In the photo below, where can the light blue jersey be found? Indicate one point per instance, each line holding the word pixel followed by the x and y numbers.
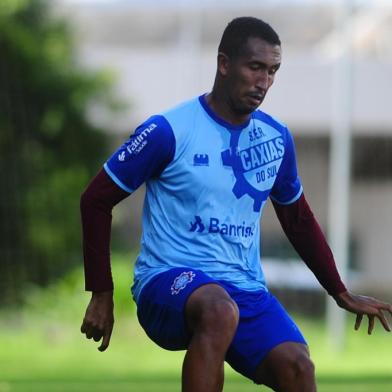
pixel 206 184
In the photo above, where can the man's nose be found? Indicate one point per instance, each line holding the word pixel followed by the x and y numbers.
pixel 262 80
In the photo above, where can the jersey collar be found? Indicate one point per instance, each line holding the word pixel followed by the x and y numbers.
pixel 219 120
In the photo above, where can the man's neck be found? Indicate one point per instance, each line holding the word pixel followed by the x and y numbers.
pixel 221 108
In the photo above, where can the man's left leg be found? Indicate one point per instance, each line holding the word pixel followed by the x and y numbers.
pixel 268 347
pixel 287 368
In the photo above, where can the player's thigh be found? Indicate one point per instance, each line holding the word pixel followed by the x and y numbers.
pixel 162 302
pixel 264 325
pixel 211 307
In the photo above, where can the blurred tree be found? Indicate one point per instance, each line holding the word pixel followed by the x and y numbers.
pixel 48 149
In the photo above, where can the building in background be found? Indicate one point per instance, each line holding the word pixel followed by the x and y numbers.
pixel 165 51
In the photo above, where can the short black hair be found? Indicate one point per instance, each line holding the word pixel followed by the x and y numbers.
pixel 239 30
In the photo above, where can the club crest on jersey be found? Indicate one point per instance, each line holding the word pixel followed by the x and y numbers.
pixel 181 281
pixel 255 157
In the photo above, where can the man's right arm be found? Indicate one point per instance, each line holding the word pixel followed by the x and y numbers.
pixel 96 205
pixel 143 156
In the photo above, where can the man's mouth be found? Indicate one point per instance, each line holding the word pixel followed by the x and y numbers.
pixel 256 98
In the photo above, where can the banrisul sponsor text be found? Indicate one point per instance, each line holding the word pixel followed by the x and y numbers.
pixel 215 226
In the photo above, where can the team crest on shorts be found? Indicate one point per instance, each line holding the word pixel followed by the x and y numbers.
pixel 181 281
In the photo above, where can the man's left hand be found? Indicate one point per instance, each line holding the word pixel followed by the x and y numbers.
pixel 362 305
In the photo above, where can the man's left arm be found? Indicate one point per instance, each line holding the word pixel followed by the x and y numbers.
pixel 306 236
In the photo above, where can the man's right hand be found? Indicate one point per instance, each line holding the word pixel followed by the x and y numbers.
pixel 98 320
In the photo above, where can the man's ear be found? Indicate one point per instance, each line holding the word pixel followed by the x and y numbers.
pixel 223 64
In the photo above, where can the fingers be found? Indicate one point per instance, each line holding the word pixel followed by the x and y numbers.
pixel 387 307
pixel 384 307
pixel 86 329
pixel 97 337
pixel 83 327
pixel 371 307
pixel 380 315
pixel 105 340
pixel 358 321
pixel 97 333
pixel 384 321
pixel 381 308
pixel 371 324
pixel 91 331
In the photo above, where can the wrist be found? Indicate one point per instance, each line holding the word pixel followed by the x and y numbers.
pixel 102 295
pixel 342 297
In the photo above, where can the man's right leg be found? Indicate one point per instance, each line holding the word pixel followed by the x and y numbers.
pixel 212 318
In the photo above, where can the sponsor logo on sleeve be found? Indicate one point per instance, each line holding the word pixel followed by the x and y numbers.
pixel 121 156
pixel 138 141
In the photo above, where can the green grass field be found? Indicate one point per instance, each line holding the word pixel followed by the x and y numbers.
pixel 41 349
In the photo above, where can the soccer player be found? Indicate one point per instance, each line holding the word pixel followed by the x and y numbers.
pixel 209 165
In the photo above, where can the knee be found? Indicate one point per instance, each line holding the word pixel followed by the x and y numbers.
pixel 304 366
pixel 219 315
pixel 212 315
pixel 297 370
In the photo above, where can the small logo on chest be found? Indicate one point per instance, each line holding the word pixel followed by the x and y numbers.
pixel 201 160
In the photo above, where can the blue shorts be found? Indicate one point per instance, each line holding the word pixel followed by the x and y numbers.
pixel 263 322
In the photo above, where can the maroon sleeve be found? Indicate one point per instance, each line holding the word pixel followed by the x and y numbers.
pixel 304 233
pixel 96 204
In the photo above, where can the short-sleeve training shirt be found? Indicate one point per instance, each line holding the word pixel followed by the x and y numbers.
pixel 206 184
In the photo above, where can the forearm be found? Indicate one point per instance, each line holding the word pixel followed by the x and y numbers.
pixel 96 205
pixel 304 233
pixel 96 225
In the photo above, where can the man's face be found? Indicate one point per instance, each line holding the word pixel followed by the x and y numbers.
pixel 248 77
